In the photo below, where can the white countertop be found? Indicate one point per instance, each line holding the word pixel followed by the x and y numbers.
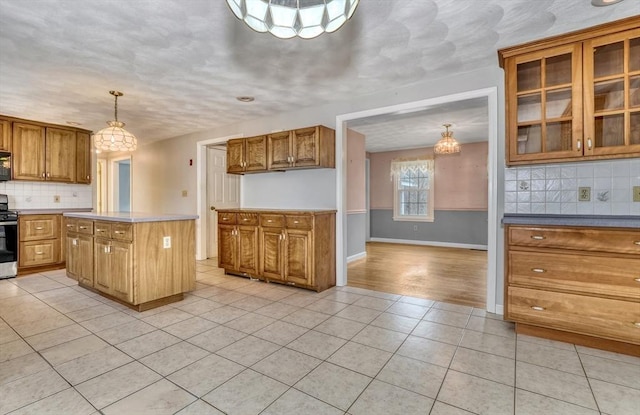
pixel 130 216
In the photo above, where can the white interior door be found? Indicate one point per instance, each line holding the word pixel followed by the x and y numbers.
pixel 223 192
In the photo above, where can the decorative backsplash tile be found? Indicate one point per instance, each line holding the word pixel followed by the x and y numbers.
pixel 34 195
pixel 553 188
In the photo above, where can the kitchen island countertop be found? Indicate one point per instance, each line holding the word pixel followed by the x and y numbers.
pixel 132 217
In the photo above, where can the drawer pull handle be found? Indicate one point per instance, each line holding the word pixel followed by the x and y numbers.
pixel 296 221
pixel 225 218
pixel 245 219
pixel 269 221
pixel 636 323
pixel 537 308
pixel 83 227
pixel 39 252
pixel 636 279
pixel 119 232
pixel 636 242
pixel 69 225
pixel 537 237
pixel 39 228
pixel 539 270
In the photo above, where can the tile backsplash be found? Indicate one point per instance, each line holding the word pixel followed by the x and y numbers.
pixel 35 195
pixel 553 188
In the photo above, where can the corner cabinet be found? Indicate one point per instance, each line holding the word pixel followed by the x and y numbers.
pixel 576 284
pixel 574 97
pixel 288 247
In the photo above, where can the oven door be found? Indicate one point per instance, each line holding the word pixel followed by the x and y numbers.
pixel 8 249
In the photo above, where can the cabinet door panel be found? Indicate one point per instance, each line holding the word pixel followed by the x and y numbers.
pixel 279 150
pixel 83 157
pixel 35 253
pixel 306 147
pixel 256 153
pixel 37 227
pixel 271 253
pixel 235 155
pixel 121 261
pixel 73 256
pixel 5 135
pixel 227 244
pixel 85 260
pixel 298 257
pixel 102 265
pixel 28 152
pixel 60 155
pixel 248 249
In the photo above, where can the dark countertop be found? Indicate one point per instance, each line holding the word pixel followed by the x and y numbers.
pixel 603 221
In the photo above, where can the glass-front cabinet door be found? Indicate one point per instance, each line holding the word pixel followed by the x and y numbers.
pixel 545 104
pixel 612 94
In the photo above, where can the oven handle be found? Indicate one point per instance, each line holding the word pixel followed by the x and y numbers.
pixel 8 223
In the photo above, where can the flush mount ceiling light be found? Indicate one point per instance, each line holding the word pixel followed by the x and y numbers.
pixel 115 137
pixel 447 144
pixel 602 3
pixel 245 98
pixel 289 18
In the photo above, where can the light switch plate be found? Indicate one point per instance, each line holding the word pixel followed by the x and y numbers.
pixel 636 193
pixel 584 194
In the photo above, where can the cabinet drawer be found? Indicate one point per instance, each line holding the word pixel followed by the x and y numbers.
pixel 227 218
pixel 604 240
pixel 122 231
pixel 37 227
pixel 247 219
pixel 85 226
pixel 71 224
pixel 603 317
pixel 580 273
pixel 299 221
pixel 272 221
pixel 102 229
pixel 34 253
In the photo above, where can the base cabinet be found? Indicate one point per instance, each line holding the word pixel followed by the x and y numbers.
pixel 577 282
pixel 40 243
pixel 80 258
pixel 114 268
pixel 289 247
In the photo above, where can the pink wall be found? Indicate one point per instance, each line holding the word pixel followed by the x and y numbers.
pixel 460 180
pixel 355 172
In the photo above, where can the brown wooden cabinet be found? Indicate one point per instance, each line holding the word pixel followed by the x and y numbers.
pixel 5 134
pixel 574 97
pixel 60 155
pixel 114 268
pixel 40 243
pixel 575 284
pixel 296 248
pixel 247 155
pixel 83 158
pixel 28 155
pixel 79 250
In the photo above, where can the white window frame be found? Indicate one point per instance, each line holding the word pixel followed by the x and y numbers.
pixel 396 175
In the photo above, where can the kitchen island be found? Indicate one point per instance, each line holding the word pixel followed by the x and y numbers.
pixel 142 260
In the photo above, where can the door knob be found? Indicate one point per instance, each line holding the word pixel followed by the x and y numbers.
pixel 212 207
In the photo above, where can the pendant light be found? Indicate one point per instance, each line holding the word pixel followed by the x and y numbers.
pixel 447 144
pixel 115 137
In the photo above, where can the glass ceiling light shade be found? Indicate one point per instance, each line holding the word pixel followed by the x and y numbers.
pixel 115 137
pixel 289 18
pixel 447 144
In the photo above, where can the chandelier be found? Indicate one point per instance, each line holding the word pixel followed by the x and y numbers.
pixel 115 137
pixel 288 18
pixel 447 144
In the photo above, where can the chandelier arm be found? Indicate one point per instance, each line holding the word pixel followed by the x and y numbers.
pixel 116 108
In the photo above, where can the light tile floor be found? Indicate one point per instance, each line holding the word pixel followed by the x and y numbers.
pixel 244 347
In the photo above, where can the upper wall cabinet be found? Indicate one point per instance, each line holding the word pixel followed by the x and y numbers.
pixel 574 97
pixel 5 134
pixel 247 155
pixel 44 152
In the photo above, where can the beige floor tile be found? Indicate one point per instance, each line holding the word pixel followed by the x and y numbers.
pixel 492 326
pixel 217 338
pixel 73 349
pixel 114 385
pixel 7 334
pixel 14 349
pixel 546 342
pixel 453 307
pixel 91 312
pixel 424 302
pixel 29 389
pixel 147 343
pixel 306 318
pixel 379 304
pixel 173 358
pixel 489 343
pixel 92 365
pixel 281 333
pixel 326 306
pixel 440 408
pixel 124 332
pixel 286 366
pixel 615 399
pixel 277 310
pixel 160 398
pixel 58 336
pixel 67 402
pixel 414 375
pixel 548 356
pixel 476 395
pixel 258 392
pixel 484 365
pixel 8 289
pixel 360 314
pixel 408 310
pixel 426 350
pixel 106 322
pixel 201 377
pixel 189 328
pixel 226 297
pixel 383 339
pixel 395 322
pixel 334 385
pixel 479 312
pixel 199 307
pixel 340 327
pixel 251 303
pixel 440 332
pixel 360 358
pixel 199 407
pixel 450 318
pixel 22 366
pixel 343 297
pixel 43 325
pixel 555 384
pixel 300 299
pixel 528 403
pixel 317 344
pixel 79 303
pixel 167 318
pixel 294 402
pixel 582 350
pixel 248 350
pixel 612 371
pixel 224 314
pixel 250 323
pixel 382 399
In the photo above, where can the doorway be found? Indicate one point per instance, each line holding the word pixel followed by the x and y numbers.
pixel 114 184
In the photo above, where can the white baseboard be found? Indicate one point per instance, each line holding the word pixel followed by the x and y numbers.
pixel 431 243
pixel 356 257
pixel 500 309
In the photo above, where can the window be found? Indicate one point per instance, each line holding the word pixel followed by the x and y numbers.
pixel 412 190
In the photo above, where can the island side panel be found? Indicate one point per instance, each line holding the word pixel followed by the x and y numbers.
pixel 162 272
pixel 325 251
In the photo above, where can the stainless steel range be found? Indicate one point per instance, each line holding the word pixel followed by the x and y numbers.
pixel 8 240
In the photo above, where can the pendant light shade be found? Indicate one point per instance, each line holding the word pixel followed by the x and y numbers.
pixel 115 137
pixel 447 144
pixel 289 18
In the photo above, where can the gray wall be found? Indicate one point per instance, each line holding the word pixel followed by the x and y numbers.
pixel 452 226
pixel 356 233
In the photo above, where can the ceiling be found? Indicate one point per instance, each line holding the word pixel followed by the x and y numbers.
pixel 181 63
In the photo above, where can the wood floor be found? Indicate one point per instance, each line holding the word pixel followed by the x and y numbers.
pixel 444 274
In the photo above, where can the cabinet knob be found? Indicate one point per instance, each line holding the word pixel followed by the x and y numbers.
pixel 636 323
pixel 537 308
pixel 88 177
pixel 244 219
pixel 296 221
pixel 538 237
pixel 270 220
pixel 119 232
pixel 538 270
pixel 39 228
pixel 225 218
pixel 636 279
pixel 636 242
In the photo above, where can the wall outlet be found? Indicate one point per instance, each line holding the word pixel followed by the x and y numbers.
pixel 415 228
pixel 56 199
pixel 166 242
pixel 584 194
pixel 636 193
pixel 184 193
